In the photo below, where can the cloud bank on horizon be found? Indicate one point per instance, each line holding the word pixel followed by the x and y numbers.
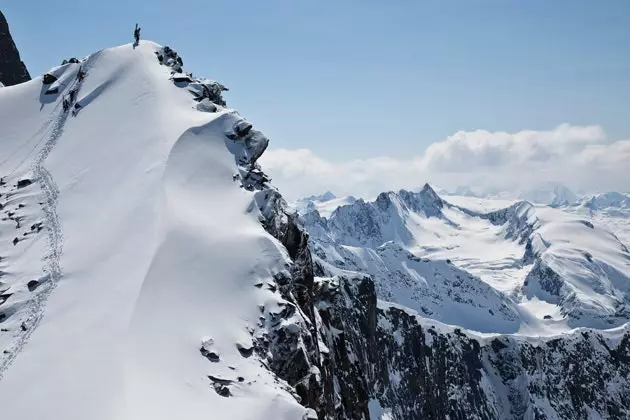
pixel 577 156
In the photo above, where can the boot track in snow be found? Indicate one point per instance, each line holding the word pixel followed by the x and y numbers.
pixel 51 270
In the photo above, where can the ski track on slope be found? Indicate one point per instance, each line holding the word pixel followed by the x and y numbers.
pixel 52 270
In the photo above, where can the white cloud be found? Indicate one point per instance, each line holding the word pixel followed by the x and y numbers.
pixel 575 155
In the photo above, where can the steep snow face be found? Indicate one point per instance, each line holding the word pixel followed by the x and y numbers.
pixel 521 268
pixel 129 259
pixel 391 217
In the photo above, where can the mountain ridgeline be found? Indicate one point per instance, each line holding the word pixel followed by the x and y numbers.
pixel 149 269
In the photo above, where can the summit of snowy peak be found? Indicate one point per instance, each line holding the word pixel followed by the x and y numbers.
pixel 327 196
pixel 466 191
pixel 430 196
pixel 550 193
pixel 609 200
pixel 164 302
pixel 428 189
pixel 390 217
pixel 325 203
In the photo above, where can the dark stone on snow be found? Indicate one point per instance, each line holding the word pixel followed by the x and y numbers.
pixel 24 183
pixel 32 285
pixel 587 224
pixel 242 128
pixel 48 79
pixel 218 380
pixel 245 351
pixel 37 226
pixel 4 297
pixel 72 60
pixel 220 385
pixel 210 355
pixel 222 390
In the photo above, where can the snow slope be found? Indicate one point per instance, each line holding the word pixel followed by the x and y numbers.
pixel 587 270
pixel 146 259
pixel 611 209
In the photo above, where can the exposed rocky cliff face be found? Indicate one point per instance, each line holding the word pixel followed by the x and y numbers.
pixel 362 358
pixel 417 369
pixel 12 69
pixel 373 358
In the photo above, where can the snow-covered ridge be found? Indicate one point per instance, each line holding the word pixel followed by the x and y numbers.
pixel 133 264
pixel 325 203
pixel 550 193
pixel 525 268
pixel 610 200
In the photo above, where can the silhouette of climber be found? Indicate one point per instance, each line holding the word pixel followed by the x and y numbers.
pixel 66 105
pixel 80 75
pixel 136 34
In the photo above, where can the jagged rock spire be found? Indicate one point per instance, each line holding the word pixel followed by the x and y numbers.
pixel 12 69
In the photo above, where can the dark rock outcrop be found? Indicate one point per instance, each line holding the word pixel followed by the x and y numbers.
pixel 12 69
pixel 418 370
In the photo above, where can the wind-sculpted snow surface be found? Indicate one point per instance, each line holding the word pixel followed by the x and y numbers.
pixel 167 281
pixel 391 217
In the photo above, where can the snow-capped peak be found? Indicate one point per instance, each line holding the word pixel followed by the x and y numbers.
pixel 553 194
pixel 327 196
pixel 609 200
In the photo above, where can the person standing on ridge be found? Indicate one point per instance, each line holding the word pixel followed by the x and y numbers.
pixel 136 34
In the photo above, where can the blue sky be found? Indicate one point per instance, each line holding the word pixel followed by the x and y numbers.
pixel 359 79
